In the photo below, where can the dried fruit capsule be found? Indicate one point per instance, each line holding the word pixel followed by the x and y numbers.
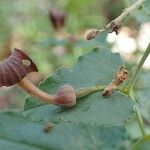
pixel 91 34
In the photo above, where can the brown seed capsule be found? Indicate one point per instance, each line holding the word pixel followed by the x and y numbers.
pixel 115 27
pixel 120 77
pixel 65 96
pixel 91 34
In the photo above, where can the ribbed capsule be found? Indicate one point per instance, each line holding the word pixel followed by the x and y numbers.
pixel 15 68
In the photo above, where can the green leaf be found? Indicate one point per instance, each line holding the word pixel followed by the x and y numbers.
pixel 18 133
pixel 97 67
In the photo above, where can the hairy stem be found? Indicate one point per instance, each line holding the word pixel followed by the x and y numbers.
pixel 129 10
pixel 115 24
pixel 124 14
pixel 137 70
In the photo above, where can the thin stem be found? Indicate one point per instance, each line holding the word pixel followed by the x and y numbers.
pixel 129 10
pixel 140 120
pixel 32 90
pixel 115 24
pixel 137 70
pixel 124 14
pixel 130 89
pixel 88 90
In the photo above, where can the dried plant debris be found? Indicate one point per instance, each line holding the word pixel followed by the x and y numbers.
pixel 48 127
pixel 91 34
pixel 115 27
pixel 120 77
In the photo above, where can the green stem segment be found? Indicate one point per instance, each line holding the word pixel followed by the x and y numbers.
pixel 138 69
pixel 88 90
pixel 140 120
pixel 131 85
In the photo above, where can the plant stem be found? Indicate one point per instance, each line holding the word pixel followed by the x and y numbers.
pixel 130 89
pixel 32 90
pixel 137 70
pixel 119 19
pixel 129 10
pixel 88 90
pixel 140 120
pixel 124 14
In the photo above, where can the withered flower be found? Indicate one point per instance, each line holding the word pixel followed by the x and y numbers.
pixel 57 18
pixel 13 71
pixel 120 77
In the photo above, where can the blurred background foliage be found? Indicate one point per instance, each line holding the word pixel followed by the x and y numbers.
pixel 52 33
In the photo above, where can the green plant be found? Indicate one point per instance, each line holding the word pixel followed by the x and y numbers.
pixel 102 102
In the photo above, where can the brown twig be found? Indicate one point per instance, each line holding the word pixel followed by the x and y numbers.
pixel 116 24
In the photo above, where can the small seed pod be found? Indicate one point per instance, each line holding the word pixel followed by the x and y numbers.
pixel 91 34
pixel 115 27
pixel 65 96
